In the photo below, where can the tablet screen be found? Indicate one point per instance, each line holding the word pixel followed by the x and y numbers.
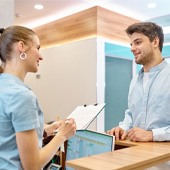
pixel 87 143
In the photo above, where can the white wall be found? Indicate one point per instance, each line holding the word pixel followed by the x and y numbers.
pixel 6 13
pixel 67 78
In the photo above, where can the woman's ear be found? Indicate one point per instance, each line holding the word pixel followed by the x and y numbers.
pixel 21 46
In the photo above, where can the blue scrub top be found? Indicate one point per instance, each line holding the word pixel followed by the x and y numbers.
pixel 19 111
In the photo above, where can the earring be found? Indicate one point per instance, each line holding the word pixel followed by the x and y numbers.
pixel 23 56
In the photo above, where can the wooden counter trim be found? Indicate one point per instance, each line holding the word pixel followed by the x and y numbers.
pixel 138 156
pixel 93 22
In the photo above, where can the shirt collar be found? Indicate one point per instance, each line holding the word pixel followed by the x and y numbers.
pixel 157 67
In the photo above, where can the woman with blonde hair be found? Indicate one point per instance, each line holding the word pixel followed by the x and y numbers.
pixel 21 118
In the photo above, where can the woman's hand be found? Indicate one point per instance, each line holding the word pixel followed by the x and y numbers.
pixel 67 128
pixel 51 128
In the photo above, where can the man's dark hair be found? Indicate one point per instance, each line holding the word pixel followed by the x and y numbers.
pixel 149 29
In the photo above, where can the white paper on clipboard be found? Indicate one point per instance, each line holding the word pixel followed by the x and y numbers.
pixel 84 115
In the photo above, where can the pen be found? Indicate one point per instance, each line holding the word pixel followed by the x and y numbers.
pixel 67 121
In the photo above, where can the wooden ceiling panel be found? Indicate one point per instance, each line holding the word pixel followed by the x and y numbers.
pixel 92 22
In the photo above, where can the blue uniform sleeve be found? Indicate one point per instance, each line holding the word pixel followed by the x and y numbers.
pixel 23 111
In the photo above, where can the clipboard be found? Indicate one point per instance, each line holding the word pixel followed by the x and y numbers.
pixel 84 115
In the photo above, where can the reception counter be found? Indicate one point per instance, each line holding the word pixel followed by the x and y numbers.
pixel 126 156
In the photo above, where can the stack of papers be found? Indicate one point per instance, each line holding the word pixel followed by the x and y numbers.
pixel 84 115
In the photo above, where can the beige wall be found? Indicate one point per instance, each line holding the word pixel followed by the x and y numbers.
pixel 67 78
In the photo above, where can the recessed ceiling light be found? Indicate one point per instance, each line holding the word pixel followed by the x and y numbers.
pixel 151 5
pixel 38 6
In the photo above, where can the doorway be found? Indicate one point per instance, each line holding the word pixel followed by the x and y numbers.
pixel 118 74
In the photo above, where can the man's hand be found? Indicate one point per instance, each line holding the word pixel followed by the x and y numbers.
pixel 118 132
pixel 140 135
